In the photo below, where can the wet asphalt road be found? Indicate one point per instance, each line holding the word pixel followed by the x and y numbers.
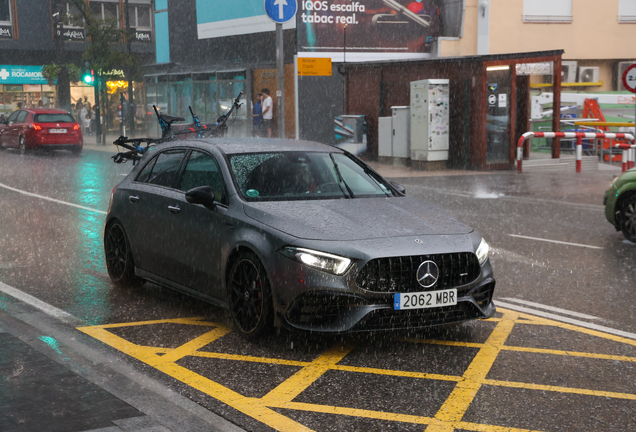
pixel 54 252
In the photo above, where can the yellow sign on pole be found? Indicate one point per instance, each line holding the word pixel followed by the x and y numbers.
pixel 314 66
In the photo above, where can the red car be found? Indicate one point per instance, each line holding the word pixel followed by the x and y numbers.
pixel 38 128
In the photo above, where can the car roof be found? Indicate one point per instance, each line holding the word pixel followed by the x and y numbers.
pixel 237 145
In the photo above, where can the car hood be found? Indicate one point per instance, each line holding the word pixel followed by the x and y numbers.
pixel 355 219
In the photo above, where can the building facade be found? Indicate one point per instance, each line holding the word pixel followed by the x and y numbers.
pixel 595 36
pixel 29 40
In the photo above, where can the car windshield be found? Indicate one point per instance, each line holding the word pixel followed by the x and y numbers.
pixel 54 118
pixel 293 175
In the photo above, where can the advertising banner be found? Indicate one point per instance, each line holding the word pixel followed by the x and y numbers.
pixel 10 74
pixel 220 18
pixel 375 29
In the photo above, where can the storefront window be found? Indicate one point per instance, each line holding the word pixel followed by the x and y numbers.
pixel 27 95
pixel 208 96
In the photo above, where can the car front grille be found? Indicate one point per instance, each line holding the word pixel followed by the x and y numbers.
pixel 398 274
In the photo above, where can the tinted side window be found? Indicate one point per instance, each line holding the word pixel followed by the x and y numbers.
pixel 13 116
pixel 202 170
pixel 21 116
pixel 166 168
pixel 145 173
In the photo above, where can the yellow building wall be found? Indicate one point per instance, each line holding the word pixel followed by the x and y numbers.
pixel 594 32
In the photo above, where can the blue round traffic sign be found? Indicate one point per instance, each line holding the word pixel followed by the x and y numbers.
pixel 280 11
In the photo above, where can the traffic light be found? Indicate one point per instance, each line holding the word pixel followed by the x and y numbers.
pixel 88 76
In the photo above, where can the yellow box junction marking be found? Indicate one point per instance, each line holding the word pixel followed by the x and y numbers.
pixel 448 418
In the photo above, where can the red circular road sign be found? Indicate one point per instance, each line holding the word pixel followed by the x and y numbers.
pixel 629 78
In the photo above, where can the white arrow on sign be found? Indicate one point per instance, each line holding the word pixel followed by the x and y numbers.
pixel 280 4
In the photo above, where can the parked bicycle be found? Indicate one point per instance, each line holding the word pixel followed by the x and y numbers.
pixel 135 146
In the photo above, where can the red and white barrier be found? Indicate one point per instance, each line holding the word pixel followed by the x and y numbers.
pixel 579 146
pixel 629 155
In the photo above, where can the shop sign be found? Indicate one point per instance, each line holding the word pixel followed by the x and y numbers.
pixel 534 69
pixel 75 34
pixel 10 74
pixel 314 66
pixel 114 74
pixel 143 36
pixel 5 32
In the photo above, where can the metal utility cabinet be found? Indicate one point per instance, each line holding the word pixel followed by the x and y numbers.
pixel 429 120
pixel 394 133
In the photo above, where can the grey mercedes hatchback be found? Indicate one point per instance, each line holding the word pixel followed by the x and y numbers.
pixel 294 234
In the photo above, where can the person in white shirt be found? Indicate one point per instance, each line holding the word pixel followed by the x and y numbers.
pixel 268 112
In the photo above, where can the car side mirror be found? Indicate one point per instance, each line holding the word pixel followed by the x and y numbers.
pixel 203 195
pixel 399 188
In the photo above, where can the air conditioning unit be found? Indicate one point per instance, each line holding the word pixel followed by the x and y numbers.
pixel 619 74
pixel 589 74
pixel 568 71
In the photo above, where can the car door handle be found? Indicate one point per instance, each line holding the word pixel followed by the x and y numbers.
pixel 174 209
pixel 133 199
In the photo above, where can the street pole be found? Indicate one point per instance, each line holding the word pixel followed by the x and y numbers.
pixel 96 107
pixel 344 70
pixel 280 80
pixel 126 110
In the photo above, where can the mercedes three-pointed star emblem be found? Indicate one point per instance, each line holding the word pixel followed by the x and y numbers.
pixel 427 274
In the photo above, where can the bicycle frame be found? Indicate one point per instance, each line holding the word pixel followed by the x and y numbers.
pixel 135 152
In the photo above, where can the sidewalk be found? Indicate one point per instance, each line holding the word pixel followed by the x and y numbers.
pixel 54 378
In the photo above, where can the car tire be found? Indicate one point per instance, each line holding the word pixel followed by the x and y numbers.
pixel 119 260
pixel 76 150
pixel 22 146
pixel 628 217
pixel 250 296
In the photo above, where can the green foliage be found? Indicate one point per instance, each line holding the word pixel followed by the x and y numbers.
pixel 107 49
pixel 52 71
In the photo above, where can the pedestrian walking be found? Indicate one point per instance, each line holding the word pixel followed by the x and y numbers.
pixel 257 116
pixel 268 112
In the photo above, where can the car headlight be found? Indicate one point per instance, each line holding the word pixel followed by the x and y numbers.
pixel 482 252
pixel 320 260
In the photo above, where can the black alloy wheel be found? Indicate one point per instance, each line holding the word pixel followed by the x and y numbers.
pixel 250 296
pixel 119 260
pixel 628 218
pixel 22 146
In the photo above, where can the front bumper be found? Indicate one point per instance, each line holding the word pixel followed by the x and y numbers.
pixel 609 201
pixel 310 300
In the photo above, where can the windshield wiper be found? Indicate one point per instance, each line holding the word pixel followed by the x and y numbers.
pixel 340 176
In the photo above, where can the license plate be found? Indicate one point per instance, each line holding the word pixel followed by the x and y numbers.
pixel 57 130
pixel 426 299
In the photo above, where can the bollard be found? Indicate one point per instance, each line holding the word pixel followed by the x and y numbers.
pixel 632 161
pixel 625 160
pixel 519 159
pixel 579 152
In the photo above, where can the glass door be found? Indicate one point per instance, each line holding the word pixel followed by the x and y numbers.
pixel 498 114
